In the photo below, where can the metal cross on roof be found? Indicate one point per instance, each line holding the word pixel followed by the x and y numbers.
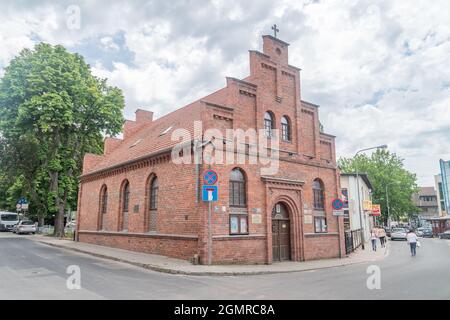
pixel 275 30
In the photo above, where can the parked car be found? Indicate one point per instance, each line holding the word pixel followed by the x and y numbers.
pixel 444 235
pixel 8 220
pixel 427 233
pixel 419 233
pixel 398 233
pixel 25 226
pixel 388 231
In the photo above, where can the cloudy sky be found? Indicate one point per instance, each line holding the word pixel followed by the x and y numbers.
pixel 380 70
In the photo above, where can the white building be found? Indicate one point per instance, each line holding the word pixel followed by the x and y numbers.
pixel 357 202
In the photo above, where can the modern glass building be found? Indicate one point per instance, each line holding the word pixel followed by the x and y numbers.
pixel 445 176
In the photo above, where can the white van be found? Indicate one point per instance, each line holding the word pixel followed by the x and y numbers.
pixel 8 220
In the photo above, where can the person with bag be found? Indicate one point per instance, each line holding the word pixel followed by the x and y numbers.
pixel 411 238
pixel 373 238
pixel 382 236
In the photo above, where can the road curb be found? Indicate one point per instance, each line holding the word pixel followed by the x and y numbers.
pixel 194 273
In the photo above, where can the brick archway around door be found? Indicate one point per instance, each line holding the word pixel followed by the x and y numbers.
pixel 290 194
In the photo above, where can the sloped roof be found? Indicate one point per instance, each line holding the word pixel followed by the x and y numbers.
pixel 363 176
pixel 427 191
pixel 149 139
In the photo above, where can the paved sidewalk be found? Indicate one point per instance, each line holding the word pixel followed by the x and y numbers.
pixel 177 266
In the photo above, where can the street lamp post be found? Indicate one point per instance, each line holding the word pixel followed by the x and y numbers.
pixel 384 146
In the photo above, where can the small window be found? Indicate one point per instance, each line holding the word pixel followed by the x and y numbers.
pixel 237 189
pixel 320 224
pixel 136 143
pixel 165 131
pixel 318 195
pixel 238 224
pixel 285 129
pixel 345 197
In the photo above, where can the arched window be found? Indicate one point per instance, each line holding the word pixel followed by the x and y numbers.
pixel 125 205
pixel 285 129
pixel 104 200
pixel 126 197
pixel 237 188
pixel 103 207
pixel 269 123
pixel 151 219
pixel 154 194
pixel 318 193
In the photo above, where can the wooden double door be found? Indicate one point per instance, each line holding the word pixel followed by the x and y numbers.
pixel 281 235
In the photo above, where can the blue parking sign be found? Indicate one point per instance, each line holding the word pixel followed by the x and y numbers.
pixel 209 193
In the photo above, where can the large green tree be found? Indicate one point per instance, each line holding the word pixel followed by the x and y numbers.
pixel 386 170
pixel 52 111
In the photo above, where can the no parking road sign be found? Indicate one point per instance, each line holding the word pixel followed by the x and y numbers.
pixel 210 177
pixel 337 204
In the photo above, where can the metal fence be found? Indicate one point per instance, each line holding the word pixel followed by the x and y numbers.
pixel 48 229
pixel 352 240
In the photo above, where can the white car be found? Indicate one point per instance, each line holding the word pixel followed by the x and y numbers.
pixel 25 226
pixel 398 233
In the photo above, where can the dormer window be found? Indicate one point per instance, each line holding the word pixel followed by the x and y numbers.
pixel 165 131
pixel 137 142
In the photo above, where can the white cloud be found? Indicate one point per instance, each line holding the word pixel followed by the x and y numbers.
pixel 379 69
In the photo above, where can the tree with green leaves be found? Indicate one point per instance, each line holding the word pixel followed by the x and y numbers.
pixel 52 111
pixel 386 170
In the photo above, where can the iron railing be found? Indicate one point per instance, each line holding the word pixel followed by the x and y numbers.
pixel 352 240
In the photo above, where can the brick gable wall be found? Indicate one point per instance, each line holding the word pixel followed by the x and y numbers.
pixel 182 220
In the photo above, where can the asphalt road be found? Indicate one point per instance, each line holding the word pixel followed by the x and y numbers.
pixel 30 270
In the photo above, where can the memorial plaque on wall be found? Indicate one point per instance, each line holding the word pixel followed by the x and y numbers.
pixel 308 219
pixel 256 218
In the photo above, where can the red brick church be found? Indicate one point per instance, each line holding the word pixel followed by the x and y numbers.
pixel 136 197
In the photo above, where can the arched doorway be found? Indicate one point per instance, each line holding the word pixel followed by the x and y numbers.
pixel 281 235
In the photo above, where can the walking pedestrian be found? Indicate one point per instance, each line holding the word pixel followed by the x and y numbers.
pixel 382 236
pixel 411 238
pixel 373 238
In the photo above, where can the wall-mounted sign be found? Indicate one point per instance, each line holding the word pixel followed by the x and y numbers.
pixel 308 219
pixel 376 210
pixel 256 218
pixel 367 205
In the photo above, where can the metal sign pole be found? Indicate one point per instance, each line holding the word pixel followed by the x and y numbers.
pixel 209 233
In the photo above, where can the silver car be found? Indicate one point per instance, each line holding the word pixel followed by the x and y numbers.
pixel 398 233
pixel 25 226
